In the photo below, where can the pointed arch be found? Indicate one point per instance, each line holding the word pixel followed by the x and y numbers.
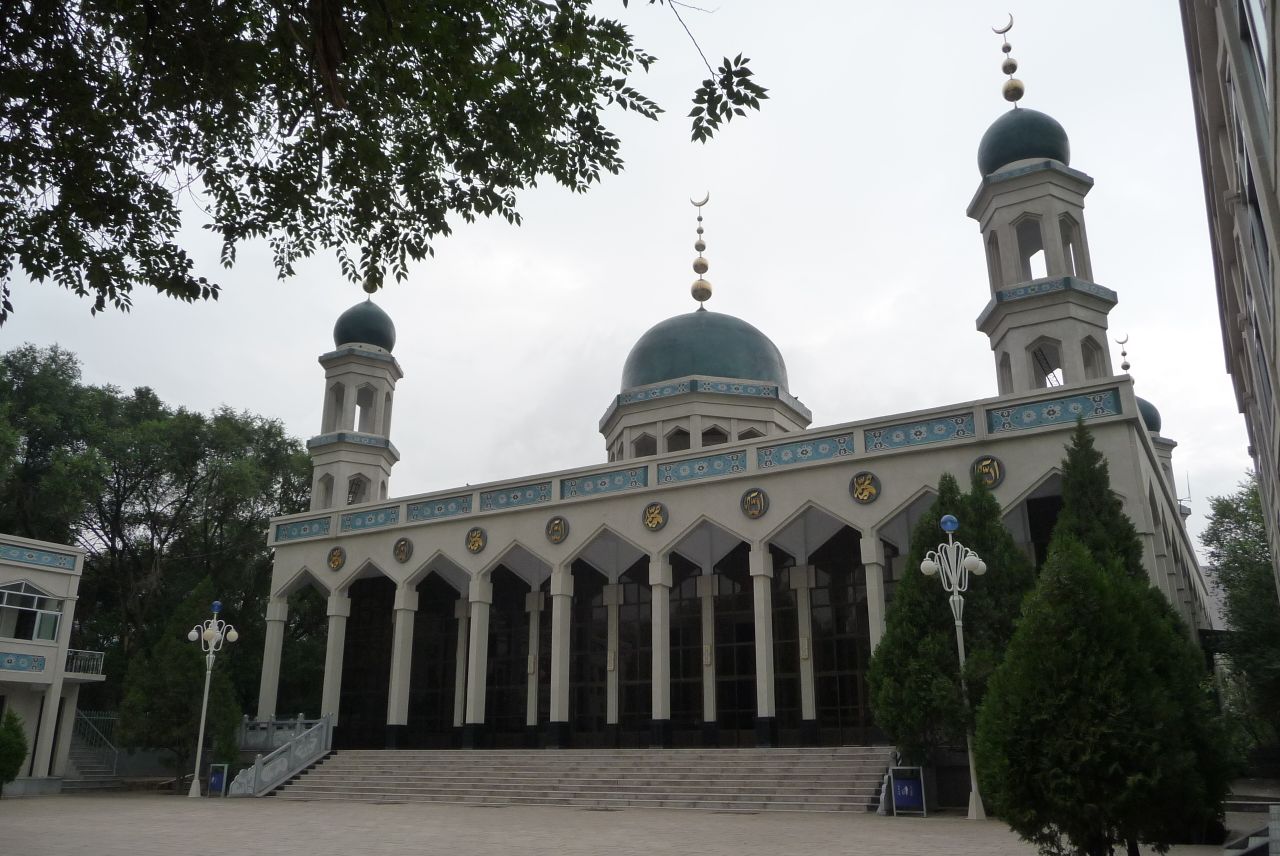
pixel 300 579
pixel 603 529
pixel 364 570
pixel 518 558
pixel 445 567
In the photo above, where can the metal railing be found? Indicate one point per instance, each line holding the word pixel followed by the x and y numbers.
pixel 270 771
pixel 90 733
pixel 84 662
pixel 270 734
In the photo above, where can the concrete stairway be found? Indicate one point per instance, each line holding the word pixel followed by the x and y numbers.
pixel 846 778
pixel 88 771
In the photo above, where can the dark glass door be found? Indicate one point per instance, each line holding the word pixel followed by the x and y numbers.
pixel 366 666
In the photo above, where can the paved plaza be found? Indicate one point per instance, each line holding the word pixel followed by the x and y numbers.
pixel 151 825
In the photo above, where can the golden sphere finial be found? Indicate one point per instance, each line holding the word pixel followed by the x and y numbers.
pixel 1013 90
pixel 701 290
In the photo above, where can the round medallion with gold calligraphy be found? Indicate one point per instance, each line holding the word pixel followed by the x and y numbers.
pixel 402 550
pixel 337 558
pixel 989 469
pixel 754 502
pixel 864 487
pixel 654 516
pixel 557 529
pixel 476 539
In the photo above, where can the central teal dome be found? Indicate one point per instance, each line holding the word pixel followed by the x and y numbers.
pixel 703 343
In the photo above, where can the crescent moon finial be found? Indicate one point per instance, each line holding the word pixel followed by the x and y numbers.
pixel 704 201
pixel 1000 31
pixel 1124 341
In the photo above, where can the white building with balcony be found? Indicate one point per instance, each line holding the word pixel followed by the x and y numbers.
pixel 40 675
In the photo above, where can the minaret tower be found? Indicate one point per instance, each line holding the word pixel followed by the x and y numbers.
pixel 352 456
pixel 1047 318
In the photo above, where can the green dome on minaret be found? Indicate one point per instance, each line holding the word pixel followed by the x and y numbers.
pixel 365 324
pixel 703 343
pixel 1022 134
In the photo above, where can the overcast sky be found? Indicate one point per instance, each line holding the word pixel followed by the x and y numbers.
pixel 836 225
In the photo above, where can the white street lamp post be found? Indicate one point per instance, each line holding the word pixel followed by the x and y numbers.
pixel 210 633
pixel 954 562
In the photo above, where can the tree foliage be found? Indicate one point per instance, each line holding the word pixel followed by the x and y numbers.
pixel 353 126
pixel 160 499
pixel 13 748
pixel 914 677
pixel 1099 727
pixel 1240 561
pixel 1087 738
pixel 1091 511
pixel 164 688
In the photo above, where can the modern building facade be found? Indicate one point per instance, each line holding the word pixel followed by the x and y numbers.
pixel 723 577
pixel 40 676
pixel 1231 54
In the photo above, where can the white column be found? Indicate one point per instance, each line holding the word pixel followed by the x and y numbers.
pixel 406 608
pixel 708 588
pixel 331 692
pixel 71 696
pixel 762 580
pixel 561 601
pixel 43 749
pixel 462 612
pixel 873 562
pixel 481 596
pixel 272 650
pixel 533 603
pixel 612 600
pixel 660 584
pixel 802 580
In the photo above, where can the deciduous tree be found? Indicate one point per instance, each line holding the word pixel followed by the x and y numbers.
pixel 353 126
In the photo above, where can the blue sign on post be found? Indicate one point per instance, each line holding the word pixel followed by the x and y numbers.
pixel 217 780
pixel 907 785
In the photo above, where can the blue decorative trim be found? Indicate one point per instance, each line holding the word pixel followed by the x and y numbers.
pixel 803 451
pixel 434 509
pixel 514 497
pixel 648 393
pixel 1047 286
pixel 372 519
pixel 39 558
pixel 919 433
pixel 349 437
pixel 15 662
pixel 347 351
pixel 598 483
pixel 302 529
pixel 718 386
pixel 1033 414
pixel 701 468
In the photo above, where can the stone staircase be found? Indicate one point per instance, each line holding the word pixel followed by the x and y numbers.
pixel 89 771
pixel 845 778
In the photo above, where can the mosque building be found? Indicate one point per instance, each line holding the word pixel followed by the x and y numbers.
pixel 723 577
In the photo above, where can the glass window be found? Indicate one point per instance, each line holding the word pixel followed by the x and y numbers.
pixel 26 612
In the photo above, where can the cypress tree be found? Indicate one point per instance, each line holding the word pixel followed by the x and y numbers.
pixel 1098 728
pixel 1091 511
pixel 914 676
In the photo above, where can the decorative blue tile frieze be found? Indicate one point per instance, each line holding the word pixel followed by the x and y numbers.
pixel 732 387
pixel 648 393
pixel 1047 286
pixel 802 451
pixel 919 433
pixel 296 529
pixel 372 519
pixel 1033 414
pixel 609 482
pixel 701 468
pixel 15 662
pixel 349 437
pixel 514 497
pixel 39 558
pixel 434 509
